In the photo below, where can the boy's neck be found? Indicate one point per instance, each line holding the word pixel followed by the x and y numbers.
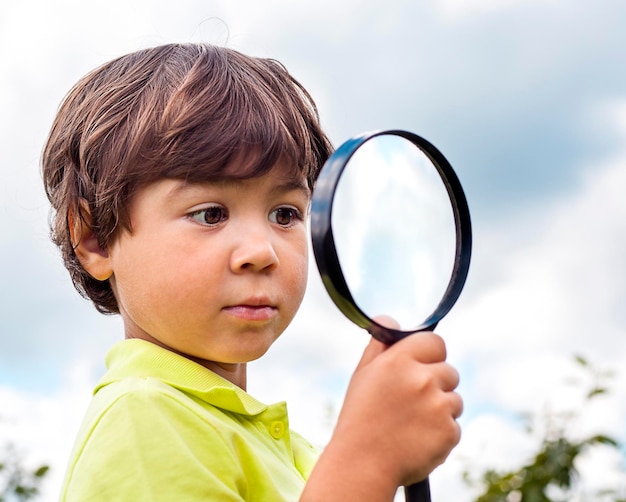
pixel 234 373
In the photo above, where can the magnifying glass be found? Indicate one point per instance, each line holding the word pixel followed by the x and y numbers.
pixel 391 236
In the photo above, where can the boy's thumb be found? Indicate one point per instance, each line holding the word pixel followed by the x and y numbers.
pixel 375 347
pixel 371 352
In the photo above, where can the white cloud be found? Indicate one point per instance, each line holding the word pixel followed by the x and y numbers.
pixel 558 277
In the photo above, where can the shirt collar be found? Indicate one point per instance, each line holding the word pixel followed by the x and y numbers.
pixel 143 359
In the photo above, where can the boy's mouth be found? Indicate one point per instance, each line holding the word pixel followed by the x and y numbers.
pixel 252 311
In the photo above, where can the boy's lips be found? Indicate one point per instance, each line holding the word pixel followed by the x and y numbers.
pixel 252 310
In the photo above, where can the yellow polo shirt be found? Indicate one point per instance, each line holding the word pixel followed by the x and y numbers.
pixel 163 428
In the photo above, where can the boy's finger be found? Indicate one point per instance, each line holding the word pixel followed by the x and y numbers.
pixel 447 376
pixel 456 404
pixel 429 347
pixel 425 347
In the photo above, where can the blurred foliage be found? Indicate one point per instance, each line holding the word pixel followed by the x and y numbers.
pixel 551 475
pixel 18 483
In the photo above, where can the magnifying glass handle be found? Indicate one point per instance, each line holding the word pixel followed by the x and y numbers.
pixel 419 492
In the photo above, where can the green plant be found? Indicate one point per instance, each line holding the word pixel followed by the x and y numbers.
pixel 551 474
pixel 18 483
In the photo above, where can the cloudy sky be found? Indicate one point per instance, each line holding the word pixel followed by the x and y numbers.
pixel 526 98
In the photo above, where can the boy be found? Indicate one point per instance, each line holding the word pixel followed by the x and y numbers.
pixel 180 178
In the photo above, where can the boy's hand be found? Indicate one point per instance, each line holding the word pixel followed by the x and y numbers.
pixel 406 391
pixel 398 421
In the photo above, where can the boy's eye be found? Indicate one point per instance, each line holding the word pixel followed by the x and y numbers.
pixel 285 216
pixel 210 215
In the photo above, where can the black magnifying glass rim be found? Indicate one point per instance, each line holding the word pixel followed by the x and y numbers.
pixel 324 243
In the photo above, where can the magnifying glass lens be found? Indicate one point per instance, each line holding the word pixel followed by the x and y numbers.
pixel 394 231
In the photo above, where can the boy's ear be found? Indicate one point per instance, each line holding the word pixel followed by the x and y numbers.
pixel 94 259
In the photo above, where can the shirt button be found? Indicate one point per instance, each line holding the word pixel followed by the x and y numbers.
pixel 277 429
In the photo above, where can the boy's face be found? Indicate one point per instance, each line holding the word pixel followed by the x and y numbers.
pixel 214 271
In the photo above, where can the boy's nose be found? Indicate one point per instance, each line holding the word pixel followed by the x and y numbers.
pixel 254 252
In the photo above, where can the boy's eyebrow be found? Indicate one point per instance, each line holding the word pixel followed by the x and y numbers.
pixel 293 185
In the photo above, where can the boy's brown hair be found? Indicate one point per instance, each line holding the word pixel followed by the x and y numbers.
pixel 189 111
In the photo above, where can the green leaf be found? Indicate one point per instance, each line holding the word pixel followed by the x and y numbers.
pixel 581 360
pixel 602 439
pixel 596 392
pixel 42 471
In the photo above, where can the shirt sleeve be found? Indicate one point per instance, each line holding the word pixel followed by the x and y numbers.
pixel 147 444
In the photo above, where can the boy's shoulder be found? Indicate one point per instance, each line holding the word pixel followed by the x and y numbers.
pixel 152 411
